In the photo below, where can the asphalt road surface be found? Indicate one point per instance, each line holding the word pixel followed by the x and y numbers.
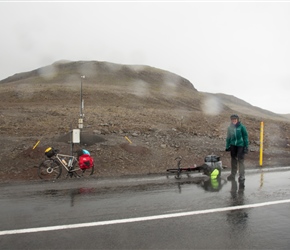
pixel 153 212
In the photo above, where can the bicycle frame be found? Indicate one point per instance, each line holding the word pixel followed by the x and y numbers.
pixel 68 162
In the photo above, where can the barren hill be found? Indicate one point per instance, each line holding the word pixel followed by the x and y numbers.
pixel 161 113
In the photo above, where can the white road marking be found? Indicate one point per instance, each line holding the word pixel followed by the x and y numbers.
pixel 147 218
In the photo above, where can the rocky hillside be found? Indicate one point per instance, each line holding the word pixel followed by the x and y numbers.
pixel 161 114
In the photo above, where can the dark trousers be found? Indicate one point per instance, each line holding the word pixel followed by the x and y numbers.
pixel 237 160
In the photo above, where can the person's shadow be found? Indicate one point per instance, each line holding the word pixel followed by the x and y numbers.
pixel 237 218
pixel 237 192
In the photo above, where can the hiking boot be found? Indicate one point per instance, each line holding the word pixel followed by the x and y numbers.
pixel 231 177
pixel 241 186
pixel 241 178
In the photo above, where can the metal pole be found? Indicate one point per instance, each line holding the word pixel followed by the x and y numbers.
pixel 82 105
pixel 71 140
pixel 261 143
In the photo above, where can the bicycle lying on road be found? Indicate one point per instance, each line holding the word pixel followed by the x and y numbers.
pixel 211 162
pixel 51 168
pixel 179 170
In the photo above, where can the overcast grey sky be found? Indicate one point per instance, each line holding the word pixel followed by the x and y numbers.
pixel 240 48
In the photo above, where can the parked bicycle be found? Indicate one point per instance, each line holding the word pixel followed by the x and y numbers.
pixel 51 168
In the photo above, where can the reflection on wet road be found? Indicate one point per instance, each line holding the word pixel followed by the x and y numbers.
pixel 149 213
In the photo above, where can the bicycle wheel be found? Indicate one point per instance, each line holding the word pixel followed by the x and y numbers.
pixel 78 172
pixel 173 170
pixel 49 169
pixel 87 172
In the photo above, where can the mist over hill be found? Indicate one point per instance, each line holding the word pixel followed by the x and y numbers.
pixel 136 79
pixel 100 72
pixel 242 107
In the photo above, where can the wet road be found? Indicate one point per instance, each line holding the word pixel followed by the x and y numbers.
pixel 148 213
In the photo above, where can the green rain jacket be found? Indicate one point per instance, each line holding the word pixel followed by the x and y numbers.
pixel 237 135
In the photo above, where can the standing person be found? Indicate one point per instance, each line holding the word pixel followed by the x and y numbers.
pixel 237 143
